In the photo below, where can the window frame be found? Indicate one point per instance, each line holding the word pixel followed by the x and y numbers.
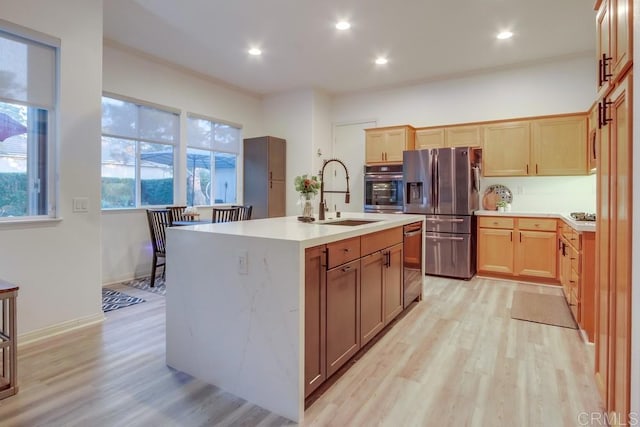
pixel 14 31
pixel 176 144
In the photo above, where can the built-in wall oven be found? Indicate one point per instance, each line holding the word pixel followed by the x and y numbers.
pixel 383 189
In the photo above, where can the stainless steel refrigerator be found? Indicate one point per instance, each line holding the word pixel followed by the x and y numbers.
pixel 443 184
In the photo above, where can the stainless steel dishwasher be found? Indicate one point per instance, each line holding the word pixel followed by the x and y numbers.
pixel 412 262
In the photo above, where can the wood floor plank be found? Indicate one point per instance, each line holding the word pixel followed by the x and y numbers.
pixel 456 358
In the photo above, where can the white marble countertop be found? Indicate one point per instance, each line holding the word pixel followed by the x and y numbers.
pixel 308 234
pixel 586 226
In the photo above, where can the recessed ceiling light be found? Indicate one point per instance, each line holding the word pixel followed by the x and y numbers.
pixel 381 60
pixel 343 25
pixel 255 51
pixel 504 35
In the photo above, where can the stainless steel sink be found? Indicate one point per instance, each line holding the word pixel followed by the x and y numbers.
pixel 349 222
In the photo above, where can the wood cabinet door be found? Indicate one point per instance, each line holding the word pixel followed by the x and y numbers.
pixel 620 257
pixel 621 36
pixel 559 146
pixel 343 314
pixel 371 296
pixel 374 147
pixel 393 283
pixel 314 318
pixel 506 149
pixel 429 138
pixel 395 144
pixel 495 250
pixel 536 254
pixel 603 218
pixel 463 136
pixel 277 205
pixel 603 46
pixel 277 159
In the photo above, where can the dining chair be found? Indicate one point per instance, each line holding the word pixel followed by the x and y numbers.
pixel 178 214
pixel 159 220
pixel 244 212
pixel 225 214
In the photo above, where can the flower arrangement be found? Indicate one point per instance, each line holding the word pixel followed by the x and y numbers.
pixel 307 185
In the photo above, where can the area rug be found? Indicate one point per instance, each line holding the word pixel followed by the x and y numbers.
pixel 145 285
pixel 113 300
pixel 541 308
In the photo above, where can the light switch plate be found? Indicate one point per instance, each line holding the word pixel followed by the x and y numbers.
pixel 80 204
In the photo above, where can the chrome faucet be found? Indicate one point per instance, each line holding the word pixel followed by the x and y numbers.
pixel 347 195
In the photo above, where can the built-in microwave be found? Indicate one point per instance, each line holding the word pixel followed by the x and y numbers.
pixel 383 189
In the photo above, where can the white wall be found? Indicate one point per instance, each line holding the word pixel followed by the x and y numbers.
pixel 564 86
pixel 549 88
pixel 290 116
pixel 57 265
pixel 126 249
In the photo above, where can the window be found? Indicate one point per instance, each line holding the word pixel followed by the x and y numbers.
pixel 212 156
pixel 28 76
pixel 138 154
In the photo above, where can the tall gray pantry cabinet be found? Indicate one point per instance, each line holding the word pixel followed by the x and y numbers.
pixel 265 176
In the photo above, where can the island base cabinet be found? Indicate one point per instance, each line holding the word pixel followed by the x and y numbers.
pixel 315 318
pixel 372 309
pixel 393 297
pixel 343 314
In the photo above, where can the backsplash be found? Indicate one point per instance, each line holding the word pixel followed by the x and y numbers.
pixel 561 194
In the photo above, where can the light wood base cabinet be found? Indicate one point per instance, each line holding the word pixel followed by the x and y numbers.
pixel 517 247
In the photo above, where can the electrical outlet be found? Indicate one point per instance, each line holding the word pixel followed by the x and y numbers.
pixel 243 262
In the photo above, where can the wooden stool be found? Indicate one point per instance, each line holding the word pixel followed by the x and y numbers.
pixel 9 377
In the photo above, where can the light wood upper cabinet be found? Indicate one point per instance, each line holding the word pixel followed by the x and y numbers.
pixel 385 145
pixel 506 149
pixel 429 138
pixel 558 146
pixel 463 136
pixel 614 29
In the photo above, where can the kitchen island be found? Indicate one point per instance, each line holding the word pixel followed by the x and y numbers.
pixel 235 303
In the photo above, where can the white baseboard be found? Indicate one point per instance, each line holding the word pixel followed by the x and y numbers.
pixel 61 328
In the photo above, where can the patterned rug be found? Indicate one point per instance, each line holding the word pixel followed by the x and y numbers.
pixel 144 284
pixel 113 300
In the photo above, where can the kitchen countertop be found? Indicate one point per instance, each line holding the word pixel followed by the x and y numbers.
pixel 585 226
pixel 307 234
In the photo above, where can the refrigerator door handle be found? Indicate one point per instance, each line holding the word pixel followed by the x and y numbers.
pixel 445 238
pixel 436 181
pixel 445 220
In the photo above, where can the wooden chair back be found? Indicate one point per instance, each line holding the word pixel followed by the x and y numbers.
pixel 225 214
pixel 177 213
pixel 244 212
pixel 159 220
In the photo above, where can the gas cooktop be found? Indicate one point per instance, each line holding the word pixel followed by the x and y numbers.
pixel 581 216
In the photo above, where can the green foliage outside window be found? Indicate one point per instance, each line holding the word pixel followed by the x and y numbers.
pixel 13 194
pixel 119 192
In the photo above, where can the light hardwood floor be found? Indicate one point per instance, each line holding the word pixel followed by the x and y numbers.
pixel 455 359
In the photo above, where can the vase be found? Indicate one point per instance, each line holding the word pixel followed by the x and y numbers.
pixel 306 200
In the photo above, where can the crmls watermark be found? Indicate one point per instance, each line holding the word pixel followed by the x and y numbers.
pixel 593 419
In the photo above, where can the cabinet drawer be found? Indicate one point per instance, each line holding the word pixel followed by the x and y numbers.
pixel 382 239
pixel 343 251
pixel 574 256
pixel 537 224
pixel 565 230
pixel 495 222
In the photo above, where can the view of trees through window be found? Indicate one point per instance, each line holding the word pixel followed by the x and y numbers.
pixel 23 166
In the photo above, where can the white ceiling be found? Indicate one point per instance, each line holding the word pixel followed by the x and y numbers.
pixel 423 39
